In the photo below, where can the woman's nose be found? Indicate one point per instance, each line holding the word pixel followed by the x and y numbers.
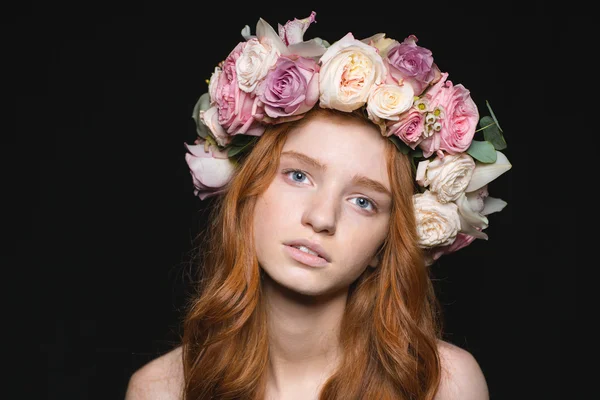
pixel 321 212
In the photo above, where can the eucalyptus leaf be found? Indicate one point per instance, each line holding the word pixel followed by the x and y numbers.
pixel 482 151
pixel 234 151
pixel 241 139
pixel 416 156
pixel 493 115
pixel 491 133
pixel 201 105
pixel 418 153
pixel 240 143
pixel 400 145
pixel 413 166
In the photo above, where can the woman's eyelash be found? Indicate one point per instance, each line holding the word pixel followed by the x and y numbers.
pixel 373 204
pixel 287 171
pixel 369 200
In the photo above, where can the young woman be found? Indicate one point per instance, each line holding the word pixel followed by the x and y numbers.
pixel 314 274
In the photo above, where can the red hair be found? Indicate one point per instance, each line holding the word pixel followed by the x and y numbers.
pixel 390 326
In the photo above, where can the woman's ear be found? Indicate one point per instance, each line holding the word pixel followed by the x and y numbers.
pixel 374 261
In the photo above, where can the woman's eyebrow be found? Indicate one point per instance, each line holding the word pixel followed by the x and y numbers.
pixel 358 180
pixel 305 159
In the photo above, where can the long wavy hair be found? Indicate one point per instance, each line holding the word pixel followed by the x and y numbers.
pixel 391 323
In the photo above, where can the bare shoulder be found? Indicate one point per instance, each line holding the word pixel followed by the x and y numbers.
pixel 161 378
pixel 462 377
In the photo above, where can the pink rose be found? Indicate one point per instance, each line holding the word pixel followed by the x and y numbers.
pixel 239 111
pixel 461 121
pixel 409 128
pixel 411 63
pixel 451 120
pixel 462 240
pixel 459 115
pixel 291 88
pixel 431 145
pixel 210 168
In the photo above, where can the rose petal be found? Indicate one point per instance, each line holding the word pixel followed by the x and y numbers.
pixel 210 118
pixel 211 172
pixel 421 176
pixel 373 38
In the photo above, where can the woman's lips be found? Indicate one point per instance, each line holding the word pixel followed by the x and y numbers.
pixel 305 258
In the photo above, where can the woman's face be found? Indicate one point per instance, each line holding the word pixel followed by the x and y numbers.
pixel 342 206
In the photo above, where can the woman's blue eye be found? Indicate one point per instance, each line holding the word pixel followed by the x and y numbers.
pixel 362 202
pixel 297 174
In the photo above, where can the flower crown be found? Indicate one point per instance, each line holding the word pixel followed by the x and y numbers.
pixel 270 77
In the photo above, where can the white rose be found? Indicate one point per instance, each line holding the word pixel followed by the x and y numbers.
pixel 387 101
pixel 437 223
pixel 447 177
pixel 254 63
pixel 349 68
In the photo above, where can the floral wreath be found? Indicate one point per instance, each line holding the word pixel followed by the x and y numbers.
pixel 270 77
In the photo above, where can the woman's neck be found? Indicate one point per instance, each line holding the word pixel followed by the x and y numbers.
pixel 303 337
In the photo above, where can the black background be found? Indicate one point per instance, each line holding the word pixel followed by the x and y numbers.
pixel 101 213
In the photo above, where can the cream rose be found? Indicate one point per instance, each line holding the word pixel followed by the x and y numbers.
pixel 253 64
pixel 447 177
pixel 437 223
pixel 387 101
pixel 349 69
pixel 380 42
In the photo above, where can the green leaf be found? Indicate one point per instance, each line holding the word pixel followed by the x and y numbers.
pixel 482 151
pixel 400 145
pixel 201 104
pixel 418 153
pixel 234 151
pixel 491 133
pixel 241 139
pixel 493 115
pixel 240 143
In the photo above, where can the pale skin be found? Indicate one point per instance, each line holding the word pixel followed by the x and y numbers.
pixel 305 304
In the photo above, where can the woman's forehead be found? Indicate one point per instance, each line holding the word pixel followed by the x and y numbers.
pixel 334 133
pixel 349 147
